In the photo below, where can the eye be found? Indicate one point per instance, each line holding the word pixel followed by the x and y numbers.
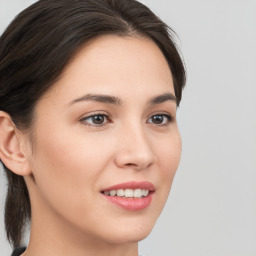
pixel 160 119
pixel 95 120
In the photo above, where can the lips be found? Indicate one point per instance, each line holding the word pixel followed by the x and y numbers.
pixel 130 195
pixel 132 185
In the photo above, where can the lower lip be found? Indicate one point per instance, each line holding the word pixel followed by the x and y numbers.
pixel 132 204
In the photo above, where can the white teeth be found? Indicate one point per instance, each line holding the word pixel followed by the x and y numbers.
pixel 129 193
pixel 144 192
pixel 112 192
pixel 137 193
pixel 120 192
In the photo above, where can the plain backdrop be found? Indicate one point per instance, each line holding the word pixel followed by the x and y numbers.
pixel 211 210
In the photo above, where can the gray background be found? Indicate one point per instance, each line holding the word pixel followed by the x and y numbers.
pixel 212 207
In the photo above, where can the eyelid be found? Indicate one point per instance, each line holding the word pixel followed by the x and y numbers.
pixel 171 118
pixel 95 113
pixel 168 115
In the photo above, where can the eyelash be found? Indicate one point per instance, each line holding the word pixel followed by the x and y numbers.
pixel 107 119
pixel 167 117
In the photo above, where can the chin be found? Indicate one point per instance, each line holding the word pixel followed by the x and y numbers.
pixel 130 234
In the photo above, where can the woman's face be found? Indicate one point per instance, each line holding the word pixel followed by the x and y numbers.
pixel 108 125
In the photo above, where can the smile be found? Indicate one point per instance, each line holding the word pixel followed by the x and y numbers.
pixel 131 195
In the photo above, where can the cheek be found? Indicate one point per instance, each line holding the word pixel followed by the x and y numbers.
pixel 65 169
pixel 169 154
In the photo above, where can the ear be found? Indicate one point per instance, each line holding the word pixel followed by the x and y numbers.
pixel 13 147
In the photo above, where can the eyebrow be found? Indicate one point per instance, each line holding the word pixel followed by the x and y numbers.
pixel 107 99
pixel 162 98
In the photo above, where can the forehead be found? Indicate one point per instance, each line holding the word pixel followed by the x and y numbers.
pixel 120 66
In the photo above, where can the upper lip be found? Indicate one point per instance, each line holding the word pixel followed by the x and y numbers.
pixel 132 185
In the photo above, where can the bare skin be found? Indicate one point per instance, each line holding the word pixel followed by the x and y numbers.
pixel 85 142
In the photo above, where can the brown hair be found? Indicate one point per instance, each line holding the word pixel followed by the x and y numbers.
pixel 36 47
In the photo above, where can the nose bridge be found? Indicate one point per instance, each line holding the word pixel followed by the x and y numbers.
pixel 135 149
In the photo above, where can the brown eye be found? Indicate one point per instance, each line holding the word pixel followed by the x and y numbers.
pixel 95 120
pixel 160 119
pixel 157 119
pixel 98 119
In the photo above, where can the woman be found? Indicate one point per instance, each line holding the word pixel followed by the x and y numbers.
pixel 88 134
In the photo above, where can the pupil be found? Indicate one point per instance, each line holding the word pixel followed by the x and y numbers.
pixel 157 119
pixel 98 119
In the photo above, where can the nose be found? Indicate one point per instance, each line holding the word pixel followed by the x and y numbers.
pixel 134 150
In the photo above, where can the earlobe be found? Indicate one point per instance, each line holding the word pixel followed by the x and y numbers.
pixel 11 147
